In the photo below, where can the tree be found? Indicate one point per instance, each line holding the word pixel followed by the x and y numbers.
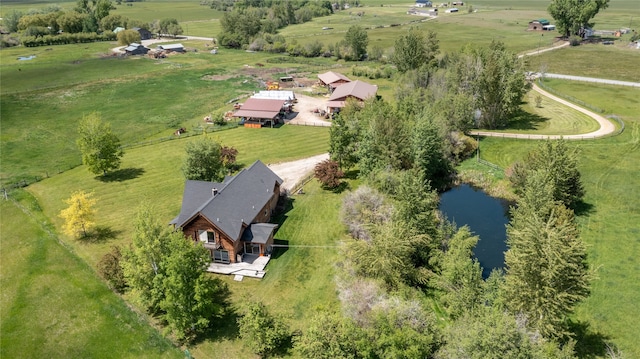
pixel 72 22
pixel 228 156
pixel 414 50
pixel 344 136
pixel 262 332
pixel 573 15
pixel 110 22
pixel 79 216
pixel 100 148
pixel 546 269
pixel 332 336
pixel 559 164
pixel 329 174
pixel 167 273
pixel 357 39
pixel 500 86
pixel 460 277
pixel 110 269
pixel 143 261
pixel 203 161
pixel 362 209
pixel 126 37
pixel 192 298
pixel 11 20
pixel 428 152
pixel 492 334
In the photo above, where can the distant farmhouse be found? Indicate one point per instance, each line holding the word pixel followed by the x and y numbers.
pixel 537 25
pixel 423 3
pixel 231 218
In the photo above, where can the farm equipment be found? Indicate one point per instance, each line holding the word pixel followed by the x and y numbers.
pixel 273 85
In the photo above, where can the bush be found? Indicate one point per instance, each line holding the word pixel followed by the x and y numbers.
pixel 328 173
pixel 262 332
pixel 109 268
pixel 574 40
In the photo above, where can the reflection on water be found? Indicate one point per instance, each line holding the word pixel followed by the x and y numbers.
pixel 486 216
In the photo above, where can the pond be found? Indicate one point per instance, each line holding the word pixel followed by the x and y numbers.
pixel 487 218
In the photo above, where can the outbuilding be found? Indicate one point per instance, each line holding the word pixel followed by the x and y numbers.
pixel 538 25
pixel 144 33
pixel 258 112
pixel 172 47
pixel 135 49
pixel 358 90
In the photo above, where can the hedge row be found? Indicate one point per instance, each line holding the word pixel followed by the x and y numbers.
pixel 81 37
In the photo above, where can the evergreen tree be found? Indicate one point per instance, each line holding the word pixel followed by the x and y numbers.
pixel 546 269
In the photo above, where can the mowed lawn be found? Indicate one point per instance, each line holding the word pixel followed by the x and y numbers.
pixel 53 305
pixel 153 174
pixel 609 221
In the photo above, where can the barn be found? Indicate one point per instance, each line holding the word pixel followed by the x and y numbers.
pixel 258 112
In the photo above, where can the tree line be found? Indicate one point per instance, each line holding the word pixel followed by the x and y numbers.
pixel 88 21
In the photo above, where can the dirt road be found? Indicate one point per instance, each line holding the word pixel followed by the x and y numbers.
pixel 295 171
pixel 305 111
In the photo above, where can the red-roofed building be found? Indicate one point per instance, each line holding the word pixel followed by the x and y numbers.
pixel 259 112
pixel 358 90
pixel 332 80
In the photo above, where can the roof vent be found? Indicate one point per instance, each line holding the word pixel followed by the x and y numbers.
pixel 217 219
pixel 214 191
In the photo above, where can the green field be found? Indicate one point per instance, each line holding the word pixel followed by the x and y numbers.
pixel 42 100
pixel 609 225
pixel 54 306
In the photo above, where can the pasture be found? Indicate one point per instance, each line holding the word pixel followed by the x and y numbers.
pixel 145 100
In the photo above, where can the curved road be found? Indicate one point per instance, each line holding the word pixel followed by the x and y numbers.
pixel 606 127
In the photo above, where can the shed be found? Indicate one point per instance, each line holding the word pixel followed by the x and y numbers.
pixel 172 47
pixel 135 49
pixel 144 33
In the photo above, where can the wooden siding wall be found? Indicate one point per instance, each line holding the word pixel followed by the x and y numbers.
pixel 201 224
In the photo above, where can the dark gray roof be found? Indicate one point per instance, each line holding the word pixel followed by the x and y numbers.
pixel 258 232
pixel 237 202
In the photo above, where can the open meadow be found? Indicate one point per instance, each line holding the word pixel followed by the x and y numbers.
pixel 43 273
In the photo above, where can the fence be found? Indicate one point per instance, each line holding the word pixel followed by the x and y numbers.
pixel 569 98
pixel 305 123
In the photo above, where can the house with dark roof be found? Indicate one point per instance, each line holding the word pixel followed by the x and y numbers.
pixel 231 218
pixel 332 80
pixel 358 90
pixel 423 3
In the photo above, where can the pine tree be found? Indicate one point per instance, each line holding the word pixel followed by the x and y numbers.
pixel 546 269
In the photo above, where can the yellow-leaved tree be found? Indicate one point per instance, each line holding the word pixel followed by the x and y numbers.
pixel 79 215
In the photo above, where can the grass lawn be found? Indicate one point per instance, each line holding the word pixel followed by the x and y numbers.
pixel 53 305
pixel 609 225
pixel 152 174
pixel 551 118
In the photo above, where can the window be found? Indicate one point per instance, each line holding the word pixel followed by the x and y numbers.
pixel 211 237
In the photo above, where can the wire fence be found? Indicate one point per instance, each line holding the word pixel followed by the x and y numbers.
pixel 310 123
pixel 569 98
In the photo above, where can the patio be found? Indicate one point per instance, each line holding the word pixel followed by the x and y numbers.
pixel 252 265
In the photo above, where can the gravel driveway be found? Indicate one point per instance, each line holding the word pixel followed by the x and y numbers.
pixel 295 171
pixel 304 109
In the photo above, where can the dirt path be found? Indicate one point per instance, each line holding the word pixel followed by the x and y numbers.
pixel 295 171
pixel 606 127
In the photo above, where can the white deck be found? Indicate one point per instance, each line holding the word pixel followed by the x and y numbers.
pixel 251 266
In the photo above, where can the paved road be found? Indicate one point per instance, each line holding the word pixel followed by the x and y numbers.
pixel 592 79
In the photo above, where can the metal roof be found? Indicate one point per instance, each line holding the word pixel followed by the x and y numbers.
pixel 331 77
pixel 262 104
pixel 237 202
pixel 358 89
pixel 256 114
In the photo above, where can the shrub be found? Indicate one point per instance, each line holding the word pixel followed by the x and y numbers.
pixel 109 268
pixel 328 173
pixel 574 40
